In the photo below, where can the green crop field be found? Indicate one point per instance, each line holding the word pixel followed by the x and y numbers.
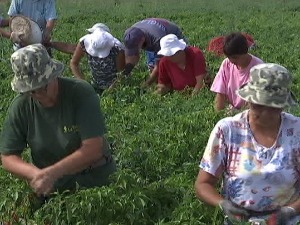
pixel 157 141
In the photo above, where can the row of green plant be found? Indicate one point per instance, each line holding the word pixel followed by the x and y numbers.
pixel 157 141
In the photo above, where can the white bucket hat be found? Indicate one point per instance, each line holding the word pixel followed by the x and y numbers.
pixel 25 31
pixel 100 26
pixel 99 43
pixel 170 44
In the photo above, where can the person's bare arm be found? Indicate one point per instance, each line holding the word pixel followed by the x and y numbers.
pixel 63 47
pixel 120 61
pixel 4 33
pixel 4 23
pixel 130 62
pixel 89 153
pixel 74 63
pixel 17 166
pixel 220 101
pixel 152 77
pixel 206 190
pixel 47 32
pixel 199 84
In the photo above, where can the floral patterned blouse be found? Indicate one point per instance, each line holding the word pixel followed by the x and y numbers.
pixel 255 177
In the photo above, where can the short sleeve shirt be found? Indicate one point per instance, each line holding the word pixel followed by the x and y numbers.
pixel 156 28
pixel 56 132
pixel 255 177
pixel 170 74
pixel 40 11
pixel 230 78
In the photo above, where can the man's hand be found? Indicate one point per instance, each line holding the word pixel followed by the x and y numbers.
pixel 43 181
pixel 233 212
pixel 284 215
pixel 127 70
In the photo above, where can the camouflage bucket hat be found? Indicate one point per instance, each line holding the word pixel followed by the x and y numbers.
pixel 33 68
pixel 269 85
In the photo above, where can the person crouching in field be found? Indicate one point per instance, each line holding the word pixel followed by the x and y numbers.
pixel 181 66
pixel 105 56
pixel 233 72
pixel 49 116
pixel 256 154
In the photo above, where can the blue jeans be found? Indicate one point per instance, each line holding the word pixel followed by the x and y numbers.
pixel 150 59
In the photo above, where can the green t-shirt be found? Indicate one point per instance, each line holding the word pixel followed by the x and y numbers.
pixel 55 132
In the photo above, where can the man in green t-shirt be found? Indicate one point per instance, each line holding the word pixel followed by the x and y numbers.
pixel 59 119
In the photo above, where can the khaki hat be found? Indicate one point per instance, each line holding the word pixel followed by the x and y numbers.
pixel 25 31
pixel 269 85
pixel 33 68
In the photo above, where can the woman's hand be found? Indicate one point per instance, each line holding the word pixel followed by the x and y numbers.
pixel 284 215
pixel 234 212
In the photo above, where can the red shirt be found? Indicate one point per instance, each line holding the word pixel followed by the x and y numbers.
pixel 170 74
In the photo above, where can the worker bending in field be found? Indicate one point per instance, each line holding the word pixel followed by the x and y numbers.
pixel 49 116
pixel 180 67
pixel 146 35
pixel 105 56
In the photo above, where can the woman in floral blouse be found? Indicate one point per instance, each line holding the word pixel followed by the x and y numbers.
pixel 256 153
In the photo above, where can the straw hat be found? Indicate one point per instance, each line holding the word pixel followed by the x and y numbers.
pixel 25 31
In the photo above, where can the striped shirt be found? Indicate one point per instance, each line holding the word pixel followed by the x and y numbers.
pixel 39 11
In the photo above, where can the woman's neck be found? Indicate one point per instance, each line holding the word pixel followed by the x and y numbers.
pixel 264 130
pixel 269 122
pixel 245 62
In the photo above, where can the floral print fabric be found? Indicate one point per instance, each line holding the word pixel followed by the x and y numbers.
pixel 255 177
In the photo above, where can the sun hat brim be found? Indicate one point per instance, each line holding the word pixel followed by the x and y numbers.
pixel 100 53
pixel 21 83
pixel 251 95
pixel 100 26
pixel 169 51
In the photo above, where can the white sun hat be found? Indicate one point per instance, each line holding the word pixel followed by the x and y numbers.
pixel 25 31
pixel 99 43
pixel 170 44
pixel 101 26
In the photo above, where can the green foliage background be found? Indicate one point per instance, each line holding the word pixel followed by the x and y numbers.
pixel 157 141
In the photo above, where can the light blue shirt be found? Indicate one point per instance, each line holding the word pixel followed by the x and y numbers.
pixel 39 11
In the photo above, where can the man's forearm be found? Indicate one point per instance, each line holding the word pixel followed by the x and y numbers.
pixel 50 25
pixel 63 47
pixel 127 69
pixel 17 166
pixel 79 160
pixel 4 33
